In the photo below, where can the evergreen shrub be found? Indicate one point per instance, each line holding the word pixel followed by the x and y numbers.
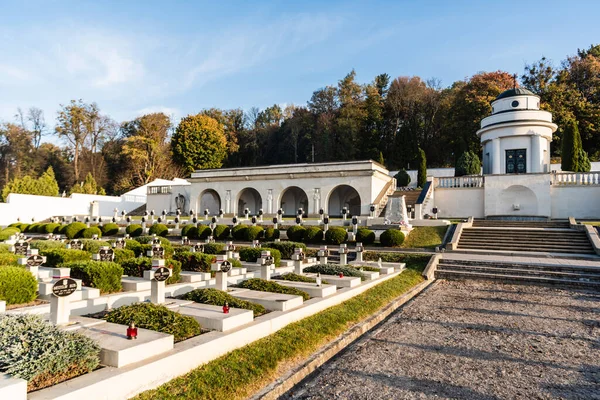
pixel 222 232
pixel 158 230
pixel 197 262
pixel 272 287
pixel 335 269
pixel 365 236
pixel 250 254
pixel 239 232
pixel 17 286
pixel 105 276
pixel 392 237
pixel 336 235
pixel 75 229
pixel 110 229
pixel 254 232
pixel 286 248
pixel 89 233
pixel 190 231
pixel 134 230
pixel 271 234
pixel 313 234
pixel 136 267
pixel 56 257
pixel 296 233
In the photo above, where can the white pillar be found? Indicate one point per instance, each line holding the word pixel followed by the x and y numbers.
pixel 265 272
pixel 59 310
pixel 496 169
pixel 221 280
pixel 157 291
pixel 536 150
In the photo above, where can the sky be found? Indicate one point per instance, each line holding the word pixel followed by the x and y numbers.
pixel 179 57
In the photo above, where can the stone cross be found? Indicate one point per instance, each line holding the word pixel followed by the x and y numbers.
pixel 21 247
pixel 275 221
pixel 229 249
pixel 157 251
pixel 260 215
pixel 298 258
pixel 119 243
pixel 359 251
pixel 256 244
pixel 325 223
pixel 185 241
pixel 104 254
pixel 343 254
pixel 206 213
pixel 199 248
pixel 323 254
pixel 32 262
pixel 62 288
pixel 157 276
pixel 344 213
pixel 266 261
pixel 222 267
pixel 372 210
pixel 354 225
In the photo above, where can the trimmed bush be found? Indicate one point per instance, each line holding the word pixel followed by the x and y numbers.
pixel 159 230
pixel 134 246
pixel 134 230
pixel 271 234
pixel 137 266
pixel 122 255
pixel 157 318
pixel 250 254
pixel 62 229
pixel 22 226
pixel 42 353
pixel 110 229
pixel 402 178
pixel 296 233
pixel 31 228
pixel 335 269
pixel 313 234
pixel 213 248
pixel 285 248
pixel 56 257
pixel 8 232
pixel 197 262
pixel 89 233
pixel 14 225
pixel 365 236
pixel 4 248
pixel 41 228
pixel 235 263
pixel 75 229
pixel 239 232
pixel 105 276
pixel 93 246
pixel 336 235
pixel 189 230
pixel 8 259
pixel 17 286
pixel 218 298
pixel 203 232
pixel 273 287
pixel 254 232
pixel 222 232
pixel 292 277
pixel 392 238
pixel 51 228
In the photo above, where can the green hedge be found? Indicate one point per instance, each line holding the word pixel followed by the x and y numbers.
pixel 74 229
pixel 159 230
pixel 89 233
pixel 365 236
pixel 134 230
pixel 134 246
pixel 273 287
pixel 296 233
pixel 105 276
pixel 56 257
pixel 51 228
pixel 285 248
pixel 8 232
pixel 121 255
pixel 335 269
pixel 392 238
pixel 271 234
pixel 93 246
pixel 190 231
pixel 4 248
pixel 43 354
pixel 213 248
pixel 110 229
pixel 219 298
pixel 203 232
pixel 137 266
pixel 336 235
pixel 17 285
pixel 254 232
pixel 239 232
pixel 31 228
pixel 9 259
pixel 313 234
pixel 157 318
pixel 250 254
pixel 293 277
pixel 47 244
pixel 222 232
pixel 197 262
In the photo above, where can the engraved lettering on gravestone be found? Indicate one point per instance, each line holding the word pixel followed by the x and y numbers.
pixel 269 260
pixel 76 244
pixel 199 248
pixel 161 274
pixel 225 266
pixel 35 261
pixel 119 244
pixel 106 254
pixel 64 287
pixel 21 248
pixel 158 251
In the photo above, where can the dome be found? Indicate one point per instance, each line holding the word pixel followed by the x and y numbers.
pixel 515 92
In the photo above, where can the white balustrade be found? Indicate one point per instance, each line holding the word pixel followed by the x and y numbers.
pixel 576 178
pixel 460 182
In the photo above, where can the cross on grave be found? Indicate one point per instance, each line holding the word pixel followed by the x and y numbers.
pixel 75 244
pixel 156 241
pixel 119 243
pixel 157 275
pixel 359 252
pixel 199 248
pixel 21 248
pixel 298 258
pixel 59 304
pixel 323 254
pixel 266 260
pixel 185 241
pixel 343 254
pixel 106 254
pixel 255 244
pixel 222 266
pixel 157 251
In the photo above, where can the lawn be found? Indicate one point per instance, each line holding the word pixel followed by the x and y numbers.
pixel 425 237
pixel 242 372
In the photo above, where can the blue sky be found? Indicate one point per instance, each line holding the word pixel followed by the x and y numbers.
pixel 133 57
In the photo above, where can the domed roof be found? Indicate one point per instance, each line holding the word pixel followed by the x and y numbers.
pixel 515 92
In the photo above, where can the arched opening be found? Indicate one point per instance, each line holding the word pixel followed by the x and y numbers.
pixel 517 199
pixel 249 198
pixel 293 198
pixel 343 196
pixel 210 199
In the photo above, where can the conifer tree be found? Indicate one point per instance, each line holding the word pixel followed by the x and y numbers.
pixel 422 169
pixel 467 164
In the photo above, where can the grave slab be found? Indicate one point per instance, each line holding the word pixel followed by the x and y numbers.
pixel 311 288
pixel 135 284
pixel 384 270
pixel 2 305
pixel 77 322
pixel 118 351
pixel 212 317
pixel 370 275
pixel 174 304
pixel 271 301
pixel 345 282
pixel 12 388
pixel 88 293
pixel 190 276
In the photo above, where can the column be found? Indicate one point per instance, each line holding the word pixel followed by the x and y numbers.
pixel 536 150
pixel 496 169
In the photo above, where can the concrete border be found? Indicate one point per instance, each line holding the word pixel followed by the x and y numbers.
pixel 453 244
pixel 429 271
pixel 287 381
pixel 592 235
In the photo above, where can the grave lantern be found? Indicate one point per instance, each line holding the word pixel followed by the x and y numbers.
pixel 321 211
pixel 275 220
pixel 132 331
pixel 226 308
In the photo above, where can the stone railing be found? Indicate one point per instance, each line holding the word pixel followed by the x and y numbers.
pixel 460 182
pixel 159 189
pixel 576 178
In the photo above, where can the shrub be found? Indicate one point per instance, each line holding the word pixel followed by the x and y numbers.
pixel 422 168
pixel 213 248
pixel 336 235
pixel 8 232
pixel 190 230
pixel 75 229
pixel 468 164
pixel 4 248
pixel 157 318
pixel 335 269
pixel 14 225
pixel 148 239
pixel 239 232
pixel 8 259
pixel 219 298
pixel 158 230
pixel 203 232
pixel 56 257
pixel 197 262
pixel 42 245
pixel 297 278
pixel 285 248
pixel 254 232
pixel 235 263
pixel 17 285
pixel 43 354
pixel 222 232
pixel 313 234
pixel 110 229
pixel 122 255
pixel 365 236
pixel 93 246
pixel 31 228
pixel 250 254
pixel 271 234
pixel 63 229
pixel 402 178
pixel 105 276
pixel 51 228
pixel 134 246
pixel 89 233
pixel 137 266
pixel 41 228
pixel 296 233
pixel 273 287
pixel 392 237
pixel 134 230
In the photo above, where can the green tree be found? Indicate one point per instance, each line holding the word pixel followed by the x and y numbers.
pixel 573 157
pixel 402 178
pixel 468 164
pixel 198 143
pixel 380 159
pixel 48 184
pixel 88 186
pixel 45 185
pixel 422 171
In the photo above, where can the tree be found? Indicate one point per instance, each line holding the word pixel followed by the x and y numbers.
pixel 199 143
pixel 36 117
pixel 380 159
pixel 48 184
pixel 468 164
pixel 45 185
pixel 71 125
pixel 573 157
pixel 422 169
pixel 88 186
pixel 402 178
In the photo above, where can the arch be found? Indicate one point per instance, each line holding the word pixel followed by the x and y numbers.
pixel 343 196
pixel 210 199
pixel 249 198
pixel 519 195
pixel 291 199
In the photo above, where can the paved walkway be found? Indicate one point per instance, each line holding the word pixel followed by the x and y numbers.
pixel 473 340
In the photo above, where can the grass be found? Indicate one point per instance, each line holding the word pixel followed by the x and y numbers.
pixel 242 372
pixel 593 223
pixel 425 237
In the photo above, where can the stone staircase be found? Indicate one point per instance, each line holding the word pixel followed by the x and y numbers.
pixel 523 272
pixel 382 200
pixel 497 223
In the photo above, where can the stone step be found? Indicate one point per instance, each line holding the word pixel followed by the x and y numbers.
pixel 527 248
pixel 546 243
pixel 525 232
pixel 529 239
pixel 135 284
pixel 522 272
pixel 456 275
pixel 551 267
pixel 191 276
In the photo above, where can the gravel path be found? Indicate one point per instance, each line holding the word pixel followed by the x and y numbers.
pixel 473 340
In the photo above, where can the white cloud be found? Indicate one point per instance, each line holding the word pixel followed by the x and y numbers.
pixel 170 111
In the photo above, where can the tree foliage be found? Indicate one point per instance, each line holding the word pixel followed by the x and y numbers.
pixel 468 164
pixel 199 142
pixel 573 157
pixel 421 169
pixel 45 185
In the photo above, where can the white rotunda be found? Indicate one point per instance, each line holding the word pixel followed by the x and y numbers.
pixel 516 137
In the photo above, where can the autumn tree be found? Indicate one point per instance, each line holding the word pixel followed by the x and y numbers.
pixel 199 142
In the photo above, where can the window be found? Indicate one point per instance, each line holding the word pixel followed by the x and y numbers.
pixel 515 103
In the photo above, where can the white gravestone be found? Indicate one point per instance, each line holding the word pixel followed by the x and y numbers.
pixel 222 267
pixel 323 254
pixel 359 252
pixel 343 254
pixel 157 276
pixel 298 258
pixel 60 308
pixel 266 260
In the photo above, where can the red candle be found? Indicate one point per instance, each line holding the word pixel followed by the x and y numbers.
pixel 131 331
pixel 226 308
pixel 341 274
